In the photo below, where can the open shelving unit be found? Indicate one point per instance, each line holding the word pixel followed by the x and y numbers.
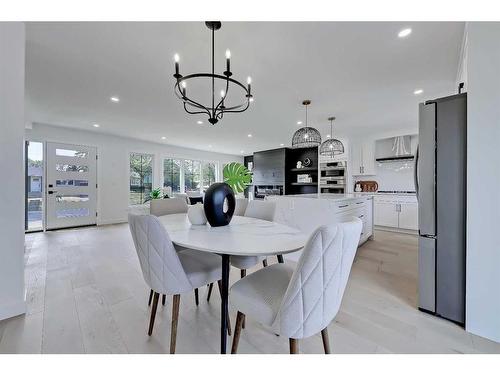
pixel 292 156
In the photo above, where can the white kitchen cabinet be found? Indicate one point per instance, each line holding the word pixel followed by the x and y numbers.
pixel 398 212
pixel 408 216
pixel 386 214
pixel 363 158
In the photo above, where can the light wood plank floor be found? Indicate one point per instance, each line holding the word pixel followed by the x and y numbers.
pixel 85 294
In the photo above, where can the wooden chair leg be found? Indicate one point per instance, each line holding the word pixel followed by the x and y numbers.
pixel 264 262
pixel 150 297
pixel 163 299
pixel 196 297
pixel 209 291
pixel 175 318
pixel 326 341
pixel 240 317
pixel 280 258
pixel 243 273
pixel 294 346
pixel 153 313
pixel 219 284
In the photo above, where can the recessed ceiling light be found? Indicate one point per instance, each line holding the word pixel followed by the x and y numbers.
pixel 404 33
pixel 242 151
pixel 249 135
pixel 115 99
pixel 282 144
pixel 418 91
pixel 199 122
pixel 96 125
pixel 299 122
pixel 328 136
pixel 163 137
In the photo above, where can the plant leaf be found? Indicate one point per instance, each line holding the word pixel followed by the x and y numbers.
pixel 237 176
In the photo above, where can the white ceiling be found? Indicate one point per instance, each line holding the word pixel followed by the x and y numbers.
pixel 361 72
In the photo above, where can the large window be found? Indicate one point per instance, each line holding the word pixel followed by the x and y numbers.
pixel 34 186
pixel 209 173
pixel 141 177
pixel 192 175
pixel 172 174
pixel 186 175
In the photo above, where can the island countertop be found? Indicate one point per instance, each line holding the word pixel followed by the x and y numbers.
pixel 330 196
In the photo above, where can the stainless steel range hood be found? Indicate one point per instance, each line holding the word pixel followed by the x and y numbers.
pixel 394 149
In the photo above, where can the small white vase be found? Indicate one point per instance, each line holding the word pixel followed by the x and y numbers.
pixel 196 214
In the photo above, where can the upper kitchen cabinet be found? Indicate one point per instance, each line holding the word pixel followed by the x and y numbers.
pixel 363 158
pixel 269 167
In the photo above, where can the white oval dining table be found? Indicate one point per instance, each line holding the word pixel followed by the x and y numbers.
pixel 244 236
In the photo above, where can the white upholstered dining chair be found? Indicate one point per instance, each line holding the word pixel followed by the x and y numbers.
pixel 263 210
pixel 241 206
pixel 169 206
pixel 167 271
pixel 301 302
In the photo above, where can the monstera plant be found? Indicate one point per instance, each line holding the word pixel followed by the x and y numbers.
pixel 237 176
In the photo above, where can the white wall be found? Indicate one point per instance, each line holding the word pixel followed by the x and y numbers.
pixel 483 180
pixel 113 163
pixel 12 49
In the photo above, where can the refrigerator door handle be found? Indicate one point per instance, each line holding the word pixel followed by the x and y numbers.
pixel 415 172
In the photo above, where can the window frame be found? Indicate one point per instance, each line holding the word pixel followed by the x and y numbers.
pixel 182 170
pixel 129 174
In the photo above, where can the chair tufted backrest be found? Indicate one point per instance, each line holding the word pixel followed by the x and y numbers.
pixel 160 207
pixel 160 265
pixel 241 206
pixel 263 210
pixel 315 291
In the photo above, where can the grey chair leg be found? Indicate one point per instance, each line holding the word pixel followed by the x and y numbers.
pixel 240 317
pixel 163 299
pixel 280 258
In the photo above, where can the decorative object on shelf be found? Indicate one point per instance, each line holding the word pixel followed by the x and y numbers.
pixel 306 136
pixel 196 214
pixel 215 110
pixel 219 204
pixel 331 147
pixel 357 189
pixel 304 178
pixel 237 176
pixel 299 164
pixel 307 162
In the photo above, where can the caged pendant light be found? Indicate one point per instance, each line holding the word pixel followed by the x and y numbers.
pixel 331 147
pixel 306 136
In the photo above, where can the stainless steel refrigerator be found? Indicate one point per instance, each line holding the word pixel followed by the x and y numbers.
pixel 440 182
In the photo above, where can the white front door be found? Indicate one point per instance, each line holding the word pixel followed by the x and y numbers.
pixel 71 193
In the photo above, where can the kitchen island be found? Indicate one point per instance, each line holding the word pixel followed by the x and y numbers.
pixel 309 211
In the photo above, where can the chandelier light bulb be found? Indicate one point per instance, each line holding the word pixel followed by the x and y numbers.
pixel 183 84
pixel 228 54
pixel 176 58
pixel 222 93
pixel 249 80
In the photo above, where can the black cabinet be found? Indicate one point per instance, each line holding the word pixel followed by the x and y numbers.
pixel 269 167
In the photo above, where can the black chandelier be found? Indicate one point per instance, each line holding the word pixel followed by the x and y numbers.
pixel 306 136
pixel 331 147
pixel 215 110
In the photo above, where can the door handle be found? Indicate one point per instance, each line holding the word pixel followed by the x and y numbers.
pixel 415 173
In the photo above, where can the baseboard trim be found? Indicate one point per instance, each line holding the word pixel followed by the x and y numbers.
pixel 14 309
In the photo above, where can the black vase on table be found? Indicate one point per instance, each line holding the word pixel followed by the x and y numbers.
pixel 213 204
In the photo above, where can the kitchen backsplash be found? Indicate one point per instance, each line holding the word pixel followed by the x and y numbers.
pixel 393 176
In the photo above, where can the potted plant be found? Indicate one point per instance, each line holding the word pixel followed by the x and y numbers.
pixel 237 176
